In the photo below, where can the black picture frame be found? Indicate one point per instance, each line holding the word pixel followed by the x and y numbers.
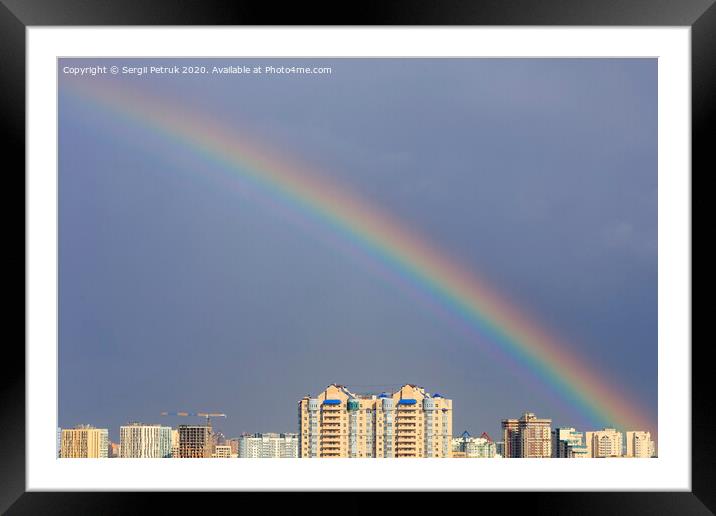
pixel 16 15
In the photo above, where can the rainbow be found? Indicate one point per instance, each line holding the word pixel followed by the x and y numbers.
pixel 407 255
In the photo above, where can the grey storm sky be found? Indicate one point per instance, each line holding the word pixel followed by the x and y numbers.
pixel 180 293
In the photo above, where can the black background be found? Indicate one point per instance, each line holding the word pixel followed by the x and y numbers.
pixel 16 15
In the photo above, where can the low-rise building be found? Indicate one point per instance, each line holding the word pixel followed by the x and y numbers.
pixel 469 447
pixel 222 451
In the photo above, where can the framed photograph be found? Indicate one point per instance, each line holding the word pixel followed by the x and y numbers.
pixel 423 249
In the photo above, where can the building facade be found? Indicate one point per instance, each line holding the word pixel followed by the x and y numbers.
pixel 511 443
pixel 639 444
pixel 234 443
pixel 175 443
pixel 604 443
pixel 409 422
pixel 84 442
pixel 268 446
pixel 140 441
pixel 527 437
pixel 469 447
pixel 568 443
pixel 222 451
pixel 195 442
pixel 113 450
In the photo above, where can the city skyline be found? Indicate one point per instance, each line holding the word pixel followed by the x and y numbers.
pixel 194 418
pixel 409 422
pixel 179 292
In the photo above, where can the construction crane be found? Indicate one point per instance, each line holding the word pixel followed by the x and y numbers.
pixel 207 415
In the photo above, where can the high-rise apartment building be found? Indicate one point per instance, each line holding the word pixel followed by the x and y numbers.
pixel 195 442
pixel 409 422
pixel 469 447
pixel 84 442
pixel 568 443
pixel 527 437
pixel 511 443
pixel 137 440
pixel 268 446
pixel 639 444
pixel 175 443
pixel 604 443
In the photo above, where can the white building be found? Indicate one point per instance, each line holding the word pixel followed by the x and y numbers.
pixel 639 444
pixel 604 443
pixel 268 446
pixel 473 447
pixel 138 440
pixel 568 443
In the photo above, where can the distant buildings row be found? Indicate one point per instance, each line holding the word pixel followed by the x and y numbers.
pixel 412 423
pixel 138 440
pixel 532 437
pixel 337 423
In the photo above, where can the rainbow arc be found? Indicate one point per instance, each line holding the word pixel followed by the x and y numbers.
pixel 450 285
